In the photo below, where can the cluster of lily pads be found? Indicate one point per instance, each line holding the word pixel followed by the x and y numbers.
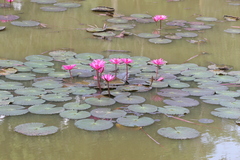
pixel 81 101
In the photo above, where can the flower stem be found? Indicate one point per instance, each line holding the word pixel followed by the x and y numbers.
pixel 160 24
pixel 156 72
pixel 126 72
pixel 98 80
pixel 108 89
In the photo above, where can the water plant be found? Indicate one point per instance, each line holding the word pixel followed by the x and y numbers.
pixel 108 78
pixel 159 18
pixel 69 68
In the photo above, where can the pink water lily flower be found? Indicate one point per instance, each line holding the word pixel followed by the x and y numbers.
pixel 127 60
pixel 116 60
pixel 159 18
pixel 159 61
pixel 68 67
pixel 108 77
pixel 97 64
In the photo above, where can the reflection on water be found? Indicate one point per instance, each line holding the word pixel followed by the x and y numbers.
pixel 219 140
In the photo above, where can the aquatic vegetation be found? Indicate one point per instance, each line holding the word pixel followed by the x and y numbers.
pixel 159 18
pixel 135 121
pixel 92 125
pixel 179 132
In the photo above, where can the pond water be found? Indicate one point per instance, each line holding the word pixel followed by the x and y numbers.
pixel 66 30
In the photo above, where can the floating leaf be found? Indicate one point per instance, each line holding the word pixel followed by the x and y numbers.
pixel 199 91
pixel 6 18
pixel 56 97
pixel 201 26
pixel 122 26
pixel 7 71
pixel 117 20
pixel 47 84
pixel 12 110
pixel 11 85
pixel 103 9
pixel 148 35
pixel 173 110
pixel 104 34
pixel 178 84
pixel 230 113
pixel 182 102
pixel 107 113
pixel 53 9
pixel 144 108
pixel 30 91
pixel 25 23
pixel 216 99
pixel 43 70
pixel 160 41
pixel 45 109
pixel 83 90
pixel 10 63
pixel 38 58
pixel 234 104
pixel 21 76
pixel 186 34
pixel 224 78
pixel 209 19
pixel 67 5
pixel 172 93
pixel 119 55
pixel 89 56
pixel 173 37
pixel 129 99
pixel 103 101
pixel 74 114
pixel 92 125
pixel 178 132
pixel 27 100
pixel 141 15
pixel 38 64
pixel 59 74
pixel 35 129
pixel 76 106
pixel 228 93
pixel 135 121
pixel 198 74
pixel 214 87
pixel 116 93
pixel 135 88
pixel 233 31
pixel 62 54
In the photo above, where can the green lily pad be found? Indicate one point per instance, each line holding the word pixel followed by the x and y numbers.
pixel 44 1
pixel 224 78
pixel 12 110
pixel 160 40
pixel 67 5
pixel 59 74
pixel 199 91
pixel 129 99
pixel 159 84
pixel 198 74
pixel 148 35
pixel 104 34
pixel 38 64
pixel 35 129
pixel 76 106
pixel 135 121
pixel 62 54
pixel 27 100
pixel 186 34
pixel 200 26
pixel 23 68
pixel 214 87
pixel 21 76
pixel 92 125
pixel 173 110
pixel 53 9
pixel 47 84
pixel 144 108
pixel 5 95
pixel 230 113
pixel 141 15
pixel 122 26
pixel 45 109
pixel 117 20
pixel 6 18
pixel 10 63
pixel 30 91
pixel 43 70
pixel 205 120
pixel 135 88
pixel 25 23
pixel 178 84
pixel 65 90
pixel 178 132
pixel 175 67
pixel 38 58
pixel 172 93
pixel 100 101
pixel 182 102
pixel 56 97
pixel 234 104
pixel 11 85
pixel 228 93
pixel 208 19
pixel 184 78
pixel 107 113
pixel 74 114
pixel 216 99
pixel 116 93
pixel 234 31
pixel 83 90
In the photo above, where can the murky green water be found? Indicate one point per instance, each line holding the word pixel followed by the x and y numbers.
pixel 219 140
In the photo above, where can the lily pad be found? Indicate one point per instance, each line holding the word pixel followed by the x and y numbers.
pixel 11 85
pixel 83 90
pixel 173 110
pixel 100 101
pixel 38 58
pixel 25 23
pixel 179 132
pixel 30 91
pixel 103 9
pixel 47 84
pixel 53 9
pixel 12 110
pixel 135 121
pixel 234 31
pixel 144 108
pixel 62 54
pixel 21 76
pixel 92 125
pixel 43 70
pixel 234 104
pixel 67 5
pixel 201 26
pixel 199 91
pixel 122 26
pixel 198 74
pixel 229 93
pixel 160 41
pixel 224 78
pixel 182 102
pixel 27 100
pixel 7 18
pixel 38 64
pixel 208 19
pixel 172 93
pixel 216 99
pixel 107 113
pixel 117 20
pixel 45 109
pixel 214 87
pixel 74 114
pixel 129 99
pixel 104 34
pixel 35 129
pixel 230 113
pixel 76 106
pixel 10 63
pixel 59 74
pixel 56 97
pixel 148 35
pixel 141 15
pixel 89 56
pixel 44 1
pixel 186 34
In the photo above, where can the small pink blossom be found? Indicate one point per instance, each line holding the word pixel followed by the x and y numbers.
pixel 159 61
pixel 95 77
pixel 160 79
pixel 68 67
pixel 127 60
pixel 98 64
pixel 108 77
pixel 159 18
pixel 116 60
pixel 10 1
